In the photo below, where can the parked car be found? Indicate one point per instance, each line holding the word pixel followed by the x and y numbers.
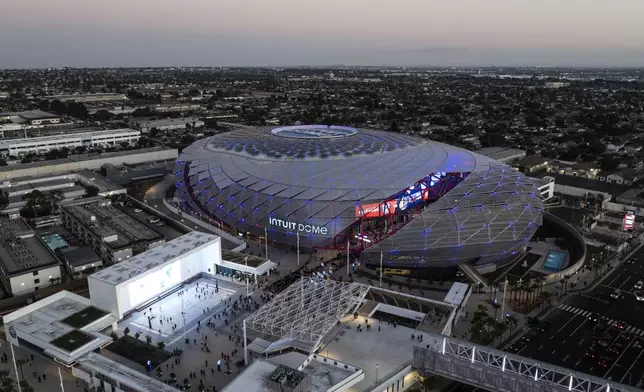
pixel 638 295
pixel 617 294
pixel 138 210
pixel 639 285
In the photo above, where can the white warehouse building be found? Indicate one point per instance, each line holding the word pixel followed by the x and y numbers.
pixel 38 145
pixel 123 287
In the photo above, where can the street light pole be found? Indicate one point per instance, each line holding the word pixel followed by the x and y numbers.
pixel 380 269
pixel 376 373
pixel 347 257
pixel 298 248
pixel 245 344
pixel 15 367
pixel 505 288
pixel 266 239
pixel 60 375
pixel 246 272
pixel 183 315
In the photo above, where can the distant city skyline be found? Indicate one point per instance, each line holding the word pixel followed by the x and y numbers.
pixel 36 33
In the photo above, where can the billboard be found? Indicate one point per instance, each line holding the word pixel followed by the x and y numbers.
pixel 155 283
pixel 375 210
pixel 629 221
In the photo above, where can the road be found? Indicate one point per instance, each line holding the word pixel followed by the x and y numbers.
pixel 569 336
pixel 611 347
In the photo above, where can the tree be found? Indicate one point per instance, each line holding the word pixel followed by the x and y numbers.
pixel 80 150
pixel 609 163
pixel 137 335
pixel 148 339
pixel 91 191
pixel 4 200
pixel 161 345
pixel 37 204
pixel 126 331
pixel 51 154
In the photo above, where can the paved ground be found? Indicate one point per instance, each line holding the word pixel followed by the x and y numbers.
pixel 42 366
pixel 572 332
pixel 166 230
pixel 197 299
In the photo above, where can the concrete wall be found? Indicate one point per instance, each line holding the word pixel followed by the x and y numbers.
pixel 578 192
pixel 25 283
pixel 103 296
pixel 406 313
pixel 92 164
pixel 398 382
pixel 130 294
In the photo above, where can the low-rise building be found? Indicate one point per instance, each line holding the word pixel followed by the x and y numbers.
pixel 170 124
pixel 40 145
pixel 110 232
pixel 69 186
pixel 64 326
pixel 38 117
pixel 126 174
pixel 532 163
pixel 26 264
pixel 622 177
pixel 80 260
pixel 86 161
pixel 88 97
pixel 502 154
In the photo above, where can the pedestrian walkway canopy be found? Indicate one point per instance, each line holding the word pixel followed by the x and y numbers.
pixel 307 310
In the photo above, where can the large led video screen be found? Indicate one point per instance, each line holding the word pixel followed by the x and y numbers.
pixel 155 283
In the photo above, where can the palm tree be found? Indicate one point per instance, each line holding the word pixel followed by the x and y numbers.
pixel 512 322
pixel 534 287
pixel 55 196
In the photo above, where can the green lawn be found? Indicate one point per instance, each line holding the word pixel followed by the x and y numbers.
pixel 73 340
pixel 86 316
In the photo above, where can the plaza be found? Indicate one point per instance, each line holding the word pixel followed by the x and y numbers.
pixel 181 311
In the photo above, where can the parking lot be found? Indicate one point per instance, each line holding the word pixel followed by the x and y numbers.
pixel 161 227
pixel 598 332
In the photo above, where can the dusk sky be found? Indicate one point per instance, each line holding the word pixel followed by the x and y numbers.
pixel 95 33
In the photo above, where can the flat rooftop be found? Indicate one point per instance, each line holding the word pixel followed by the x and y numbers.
pixel 240 258
pixel 20 249
pixel 45 323
pixel 78 256
pixel 107 220
pixel 58 138
pixel 137 265
pixel 391 349
pixel 253 378
pixel 36 114
pixel 35 184
pixel 86 157
pixel 135 380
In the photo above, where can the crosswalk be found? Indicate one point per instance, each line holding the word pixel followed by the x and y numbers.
pixel 584 313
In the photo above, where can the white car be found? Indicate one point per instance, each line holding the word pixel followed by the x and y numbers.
pixel 138 210
pixel 153 219
pixel 639 285
pixel 639 295
pixel 616 294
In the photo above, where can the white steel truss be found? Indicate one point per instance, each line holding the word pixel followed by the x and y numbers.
pixel 496 370
pixel 307 310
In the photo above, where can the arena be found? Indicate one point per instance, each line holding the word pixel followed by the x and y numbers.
pixel 411 201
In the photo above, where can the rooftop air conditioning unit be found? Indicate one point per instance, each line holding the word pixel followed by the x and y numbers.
pixel 93 218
